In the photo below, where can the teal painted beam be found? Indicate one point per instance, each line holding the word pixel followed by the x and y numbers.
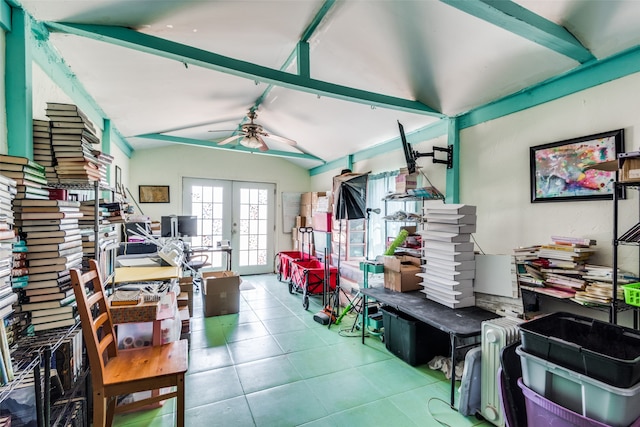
pixel 581 78
pixel 5 16
pixel 315 22
pixel 304 68
pixel 518 20
pixel 235 148
pixel 452 193
pixel 18 86
pixel 187 54
pixel 338 164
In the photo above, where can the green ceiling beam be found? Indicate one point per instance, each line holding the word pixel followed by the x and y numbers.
pixel 125 37
pixel 304 68
pixel 315 22
pixel 235 148
pixel 5 16
pixel 18 86
pixel 338 164
pixel 518 20
pixel 581 78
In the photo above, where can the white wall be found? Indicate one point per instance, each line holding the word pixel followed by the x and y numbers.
pixel 168 165
pixel 494 172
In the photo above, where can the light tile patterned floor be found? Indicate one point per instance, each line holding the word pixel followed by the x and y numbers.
pixel 272 365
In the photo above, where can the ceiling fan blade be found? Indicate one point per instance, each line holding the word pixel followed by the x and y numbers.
pixel 281 139
pixel 223 130
pixel 264 146
pixel 231 139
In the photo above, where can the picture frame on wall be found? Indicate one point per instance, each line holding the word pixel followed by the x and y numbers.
pixel 153 193
pixel 583 168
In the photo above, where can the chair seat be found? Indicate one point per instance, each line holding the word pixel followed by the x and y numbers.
pixel 197 265
pixel 147 362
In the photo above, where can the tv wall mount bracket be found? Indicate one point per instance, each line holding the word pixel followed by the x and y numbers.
pixel 448 150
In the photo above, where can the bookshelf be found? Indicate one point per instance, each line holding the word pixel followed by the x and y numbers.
pixel 626 238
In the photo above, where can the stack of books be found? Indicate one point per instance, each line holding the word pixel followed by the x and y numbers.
pixel 42 148
pixel 561 269
pixel 75 144
pixel 54 245
pixel 449 267
pixel 29 176
pixel 107 233
pixel 7 239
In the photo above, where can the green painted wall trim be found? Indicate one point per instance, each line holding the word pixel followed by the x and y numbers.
pixel 236 148
pixel 452 193
pixel 304 68
pixel 338 164
pixel 5 16
pixel 518 20
pixel 583 77
pixel 18 86
pixel 187 54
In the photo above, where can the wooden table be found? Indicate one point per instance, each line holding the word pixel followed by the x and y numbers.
pixel 457 323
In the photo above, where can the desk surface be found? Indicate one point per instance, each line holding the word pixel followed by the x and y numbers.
pixel 461 322
pixel 144 274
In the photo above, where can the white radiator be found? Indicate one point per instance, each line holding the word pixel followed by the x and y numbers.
pixel 496 334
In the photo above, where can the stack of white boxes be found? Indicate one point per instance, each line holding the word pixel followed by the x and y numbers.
pixel 449 267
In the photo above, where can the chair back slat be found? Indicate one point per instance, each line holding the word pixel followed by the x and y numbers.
pixel 95 317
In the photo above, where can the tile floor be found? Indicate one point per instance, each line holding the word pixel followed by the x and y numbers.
pixel 272 365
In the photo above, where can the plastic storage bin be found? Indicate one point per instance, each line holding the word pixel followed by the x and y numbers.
pixel 601 350
pixel 617 407
pixel 542 412
pixel 411 340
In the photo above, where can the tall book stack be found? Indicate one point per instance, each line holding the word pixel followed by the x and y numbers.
pixel 449 269
pixel 42 148
pixel 7 239
pixel 75 144
pixel 29 177
pixel 50 229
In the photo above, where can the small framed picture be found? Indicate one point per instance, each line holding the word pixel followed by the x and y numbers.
pixel 153 193
pixel 576 169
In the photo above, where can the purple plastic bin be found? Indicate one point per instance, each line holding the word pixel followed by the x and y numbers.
pixel 542 412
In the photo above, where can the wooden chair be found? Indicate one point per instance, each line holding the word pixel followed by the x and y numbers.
pixel 118 372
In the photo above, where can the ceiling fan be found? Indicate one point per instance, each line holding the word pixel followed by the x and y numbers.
pixel 252 135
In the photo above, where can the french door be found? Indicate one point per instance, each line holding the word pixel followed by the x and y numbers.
pixel 238 211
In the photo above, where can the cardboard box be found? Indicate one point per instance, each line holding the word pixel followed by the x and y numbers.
pixel 322 221
pixel 305 210
pixel 406 181
pixel 630 171
pixel 400 273
pixel 220 293
pixel 311 198
pixel 301 221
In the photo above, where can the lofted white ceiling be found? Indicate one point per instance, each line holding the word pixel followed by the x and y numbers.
pixel 450 56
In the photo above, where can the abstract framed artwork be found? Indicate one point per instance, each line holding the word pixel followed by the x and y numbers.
pixel 153 193
pixel 575 169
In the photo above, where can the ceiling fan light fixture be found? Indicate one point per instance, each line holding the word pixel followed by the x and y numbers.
pixel 251 141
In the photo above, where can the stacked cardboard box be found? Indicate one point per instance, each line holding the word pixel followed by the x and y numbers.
pixel 406 181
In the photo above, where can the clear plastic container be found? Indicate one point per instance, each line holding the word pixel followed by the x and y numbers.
pixel 593 399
